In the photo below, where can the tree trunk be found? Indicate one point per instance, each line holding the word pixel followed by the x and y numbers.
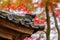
pixel 48 22
pixel 56 24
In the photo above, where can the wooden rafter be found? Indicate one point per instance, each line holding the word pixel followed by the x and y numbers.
pixel 15 27
pixel 6 35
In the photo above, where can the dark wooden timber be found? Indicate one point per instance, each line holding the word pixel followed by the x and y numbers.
pixel 13 31
pixel 15 27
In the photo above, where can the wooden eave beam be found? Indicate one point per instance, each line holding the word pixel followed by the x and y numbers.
pixel 15 27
